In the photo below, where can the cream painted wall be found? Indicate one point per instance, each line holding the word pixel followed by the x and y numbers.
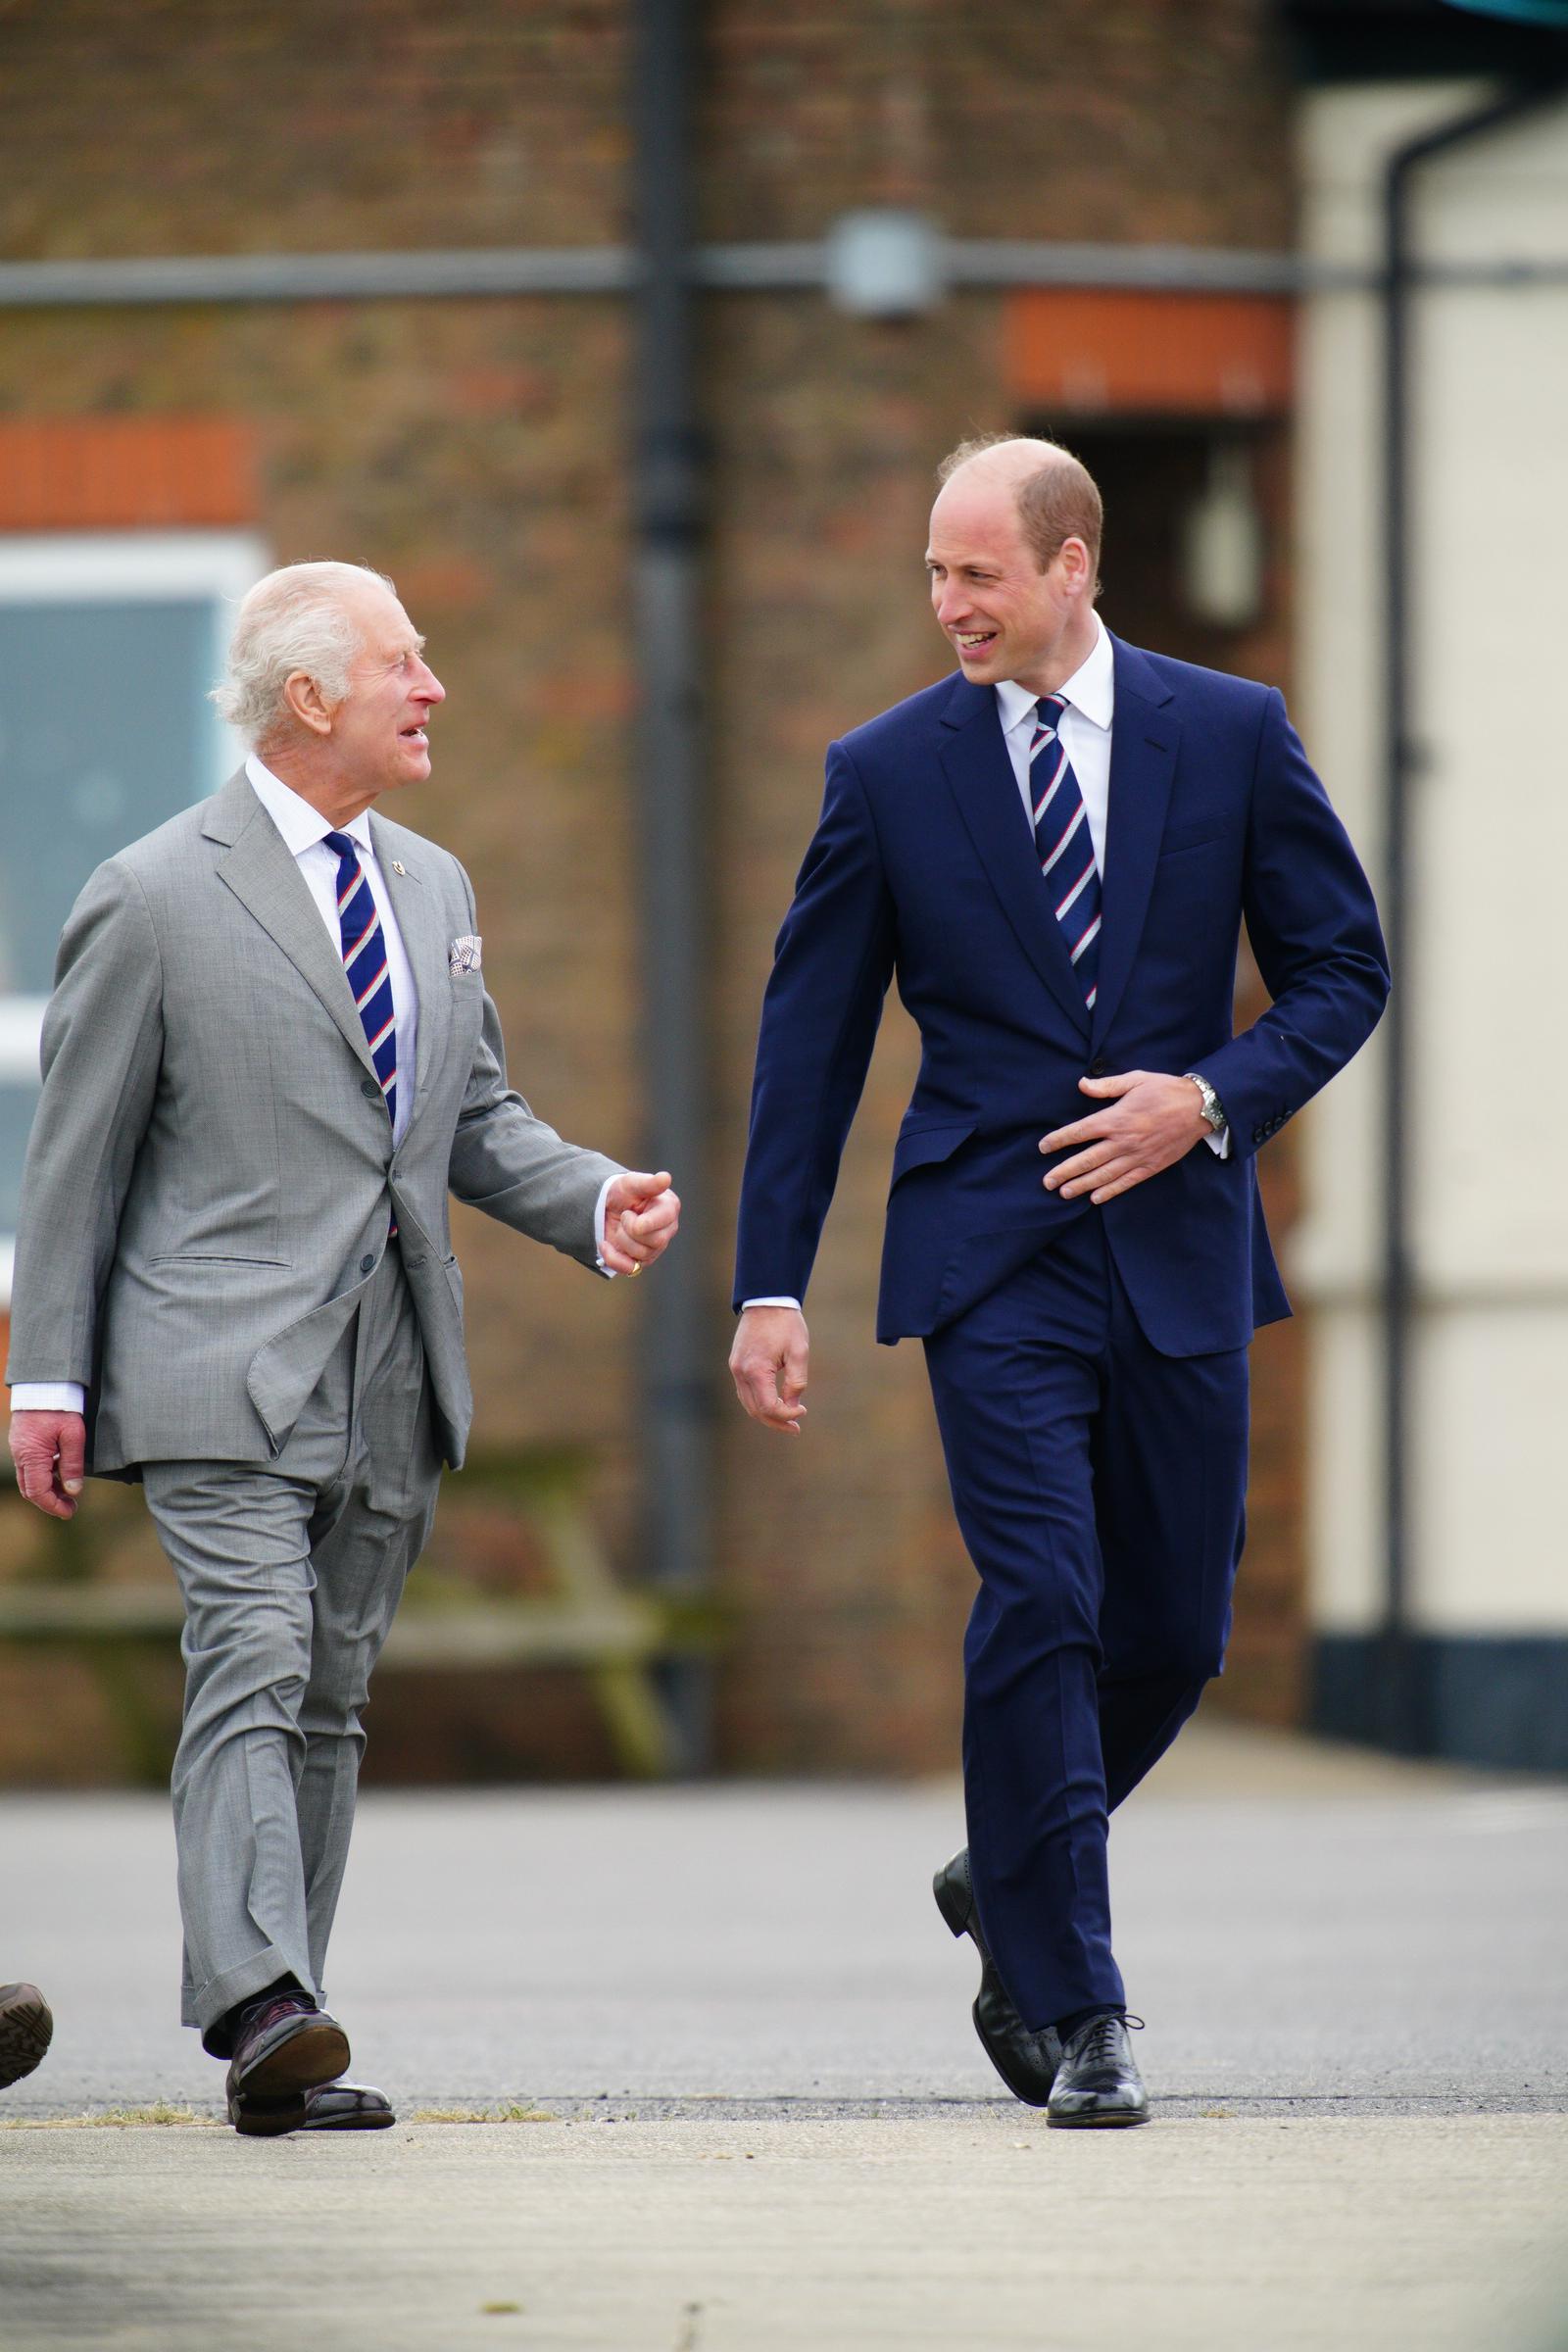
pixel 1484 970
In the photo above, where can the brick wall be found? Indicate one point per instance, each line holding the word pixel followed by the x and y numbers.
pixel 476 450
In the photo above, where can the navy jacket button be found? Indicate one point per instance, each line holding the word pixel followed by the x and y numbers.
pixel 1099 1066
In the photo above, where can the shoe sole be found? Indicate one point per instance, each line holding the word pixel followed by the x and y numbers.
pixel 267 2119
pixel 350 2122
pixel 319 2052
pixel 1097 2122
pixel 27 2029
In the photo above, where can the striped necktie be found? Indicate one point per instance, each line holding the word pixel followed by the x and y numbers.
pixel 365 961
pixel 1063 845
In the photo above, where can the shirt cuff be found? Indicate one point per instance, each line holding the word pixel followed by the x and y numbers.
pixel 608 1272
pixel 746 1302
pixel 48 1396
pixel 1220 1145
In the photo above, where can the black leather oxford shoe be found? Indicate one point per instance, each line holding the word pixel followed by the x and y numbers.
pixel 346 2107
pixel 1026 2060
pixel 284 2047
pixel 1098 2084
pixel 324 2107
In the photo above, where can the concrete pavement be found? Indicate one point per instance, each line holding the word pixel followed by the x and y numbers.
pixel 768 2121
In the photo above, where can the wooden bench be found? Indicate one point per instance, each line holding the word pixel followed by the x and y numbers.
pixel 61 1588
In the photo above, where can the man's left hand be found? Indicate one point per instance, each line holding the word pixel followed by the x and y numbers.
pixel 1148 1122
pixel 641 1217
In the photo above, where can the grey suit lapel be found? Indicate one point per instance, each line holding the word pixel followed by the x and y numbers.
pixel 260 871
pixel 427 946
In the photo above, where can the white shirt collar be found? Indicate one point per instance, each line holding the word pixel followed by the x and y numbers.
pixel 1091 690
pixel 301 825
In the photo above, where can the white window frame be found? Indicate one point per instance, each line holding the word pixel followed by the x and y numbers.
pixel 121 567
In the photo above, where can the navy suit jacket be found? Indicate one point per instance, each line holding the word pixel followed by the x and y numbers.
pixel 922 866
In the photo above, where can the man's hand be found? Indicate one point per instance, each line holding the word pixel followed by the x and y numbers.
pixel 1149 1121
pixel 767 1364
pixel 49 1450
pixel 641 1219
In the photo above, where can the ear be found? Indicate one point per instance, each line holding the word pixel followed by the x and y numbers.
pixel 1077 567
pixel 307 702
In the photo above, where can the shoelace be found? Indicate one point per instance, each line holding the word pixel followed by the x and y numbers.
pixel 283 2004
pixel 1096 2041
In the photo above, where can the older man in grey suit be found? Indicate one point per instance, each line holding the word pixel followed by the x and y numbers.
pixel 270 1058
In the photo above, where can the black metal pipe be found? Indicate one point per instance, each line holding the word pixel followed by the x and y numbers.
pixel 669 837
pixel 1403 1723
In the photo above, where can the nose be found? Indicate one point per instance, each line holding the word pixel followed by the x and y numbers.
pixel 431 689
pixel 950 607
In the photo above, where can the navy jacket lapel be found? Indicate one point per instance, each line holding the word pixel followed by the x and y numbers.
pixel 980 774
pixel 1145 730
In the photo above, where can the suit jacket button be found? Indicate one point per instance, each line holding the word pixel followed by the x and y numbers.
pixel 1099 1066
pixel 366 1265
pixel 368 1089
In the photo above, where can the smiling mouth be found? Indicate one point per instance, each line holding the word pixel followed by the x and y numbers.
pixel 971 641
pixel 413 735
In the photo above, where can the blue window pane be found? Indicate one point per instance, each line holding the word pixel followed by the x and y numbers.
pixel 104 732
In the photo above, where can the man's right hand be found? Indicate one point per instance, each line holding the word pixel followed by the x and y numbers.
pixel 49 1450
pixel 767 1364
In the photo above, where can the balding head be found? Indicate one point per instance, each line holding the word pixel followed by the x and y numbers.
pixel 1054 496
pixel 1013 560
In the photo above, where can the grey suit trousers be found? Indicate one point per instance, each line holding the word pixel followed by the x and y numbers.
pixel 291 1573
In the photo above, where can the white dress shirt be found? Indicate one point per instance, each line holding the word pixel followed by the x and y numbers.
pixel 1085 730
pixel 1085 723
pixel 304 830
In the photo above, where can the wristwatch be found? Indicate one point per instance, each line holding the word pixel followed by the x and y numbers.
pixel 1213 1107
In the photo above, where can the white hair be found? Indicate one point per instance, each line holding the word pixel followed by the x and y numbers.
pixel 295 618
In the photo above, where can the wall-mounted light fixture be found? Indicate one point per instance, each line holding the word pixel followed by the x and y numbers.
pixel 1222 549
pixel 885 264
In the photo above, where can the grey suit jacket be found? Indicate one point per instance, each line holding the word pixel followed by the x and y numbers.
pixel 211 1171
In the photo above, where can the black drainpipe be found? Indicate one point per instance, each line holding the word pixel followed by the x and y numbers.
pixel 1400 1700
pixel 667 837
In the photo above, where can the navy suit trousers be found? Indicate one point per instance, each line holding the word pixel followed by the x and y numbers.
pixel 1100 1487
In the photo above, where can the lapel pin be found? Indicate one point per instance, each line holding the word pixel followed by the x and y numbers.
pixel 398 866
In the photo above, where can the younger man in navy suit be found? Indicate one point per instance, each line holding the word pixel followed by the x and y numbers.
pixel 1055 850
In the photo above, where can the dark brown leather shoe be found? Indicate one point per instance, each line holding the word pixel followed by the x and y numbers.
pixel 284 2047
pixel 1098 2084
pixel 1026 2060
pixel 324 2107
pixel 346 2107
pixel 27 2029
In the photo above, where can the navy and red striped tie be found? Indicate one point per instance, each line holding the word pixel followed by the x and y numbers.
pixel 365 961
pixel 1063 845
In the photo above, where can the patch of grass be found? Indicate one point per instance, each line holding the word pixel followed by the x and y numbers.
pixel 113 2118
pixel 511 2113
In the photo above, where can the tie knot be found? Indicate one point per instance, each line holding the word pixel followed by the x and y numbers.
pixel 1050 708
pixel 341 844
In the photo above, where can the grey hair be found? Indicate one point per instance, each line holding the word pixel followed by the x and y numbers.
pixel 295 618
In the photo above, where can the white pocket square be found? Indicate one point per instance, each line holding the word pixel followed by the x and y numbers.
pixel 466 953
